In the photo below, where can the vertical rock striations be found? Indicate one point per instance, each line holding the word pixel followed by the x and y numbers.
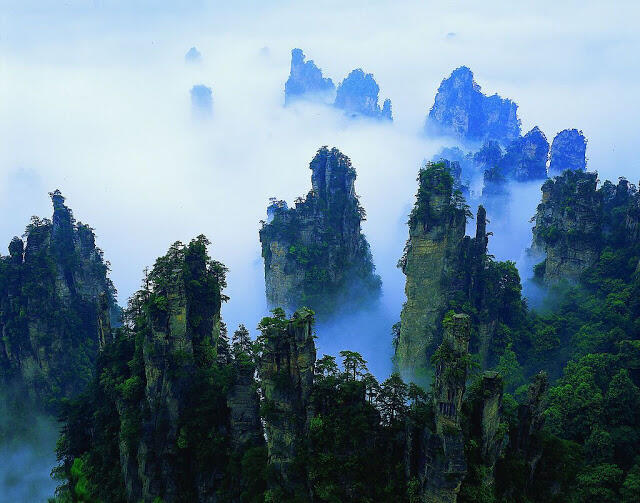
pixel 576 222
pixel 286 369
pixel 461 110
pixel 438 451
pixel 171 404
pixel 568 151
pixel 567 226
pixel 436 231
pixel 446 270
pixel 357 95
pixel 179 336
pixel 55 305
pixel 306 81
pixel 315 254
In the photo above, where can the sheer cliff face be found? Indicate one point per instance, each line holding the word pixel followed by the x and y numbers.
pixel 446 270
pixel 178 338
pixel 526 157
pixel 568 151
pixel 463 111
pixel 172 411
pixel 567 226
pixel 358 95
pixel 286 369
pixel 306 81
pixel 436 231
pixel 576 221
pixel 55 301
pixel 315 254
pixel 439 448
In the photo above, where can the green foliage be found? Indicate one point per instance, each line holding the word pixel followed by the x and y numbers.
pixel 55 297
pixel 436 200
pixel 355 445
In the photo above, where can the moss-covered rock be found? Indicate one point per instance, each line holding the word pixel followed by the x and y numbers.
pixel 56 303
pixel 315 254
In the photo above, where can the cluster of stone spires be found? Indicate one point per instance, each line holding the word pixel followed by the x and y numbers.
pixel 462 111
pixel 357 94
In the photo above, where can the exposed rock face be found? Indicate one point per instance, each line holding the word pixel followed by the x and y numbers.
pixel 184 323
pixel 567 226
pixel 568 151
pixel 446 270
pixel 526 157
pixel 171 411
pixel 440 451
pixel 358 95
pixel 55 304
pixel 244 405
pixel 178 375
pixel 286 368
pixel 463 111
pixel 305 80
pixel 315 254
pixel 436 232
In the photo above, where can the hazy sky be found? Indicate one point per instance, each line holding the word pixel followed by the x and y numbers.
pixel 94 100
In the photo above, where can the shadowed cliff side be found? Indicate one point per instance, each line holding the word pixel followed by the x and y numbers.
pixel 56 303
pixel 315 254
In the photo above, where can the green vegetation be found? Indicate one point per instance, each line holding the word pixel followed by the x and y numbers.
pixel 315 253
pixel 55 304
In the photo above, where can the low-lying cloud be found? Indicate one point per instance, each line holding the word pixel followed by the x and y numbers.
pixel 97 104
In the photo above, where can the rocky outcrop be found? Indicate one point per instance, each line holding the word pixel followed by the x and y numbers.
pixel 461 110
pixel 447 270
pixel 489 155
pixel 286 369
pixel 568 151
pixel 173 407
pixel 526 157
pixel 357 95
pixel 567 226
pixel 55 305
pixel 438 451
pixel 431 263
pixel 575 221
pixel 315 254
pixel 183 307
pixel 306 80
pixel 201 101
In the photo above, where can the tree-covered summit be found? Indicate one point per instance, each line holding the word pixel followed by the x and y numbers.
pixel 315 253
pixel 57 305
